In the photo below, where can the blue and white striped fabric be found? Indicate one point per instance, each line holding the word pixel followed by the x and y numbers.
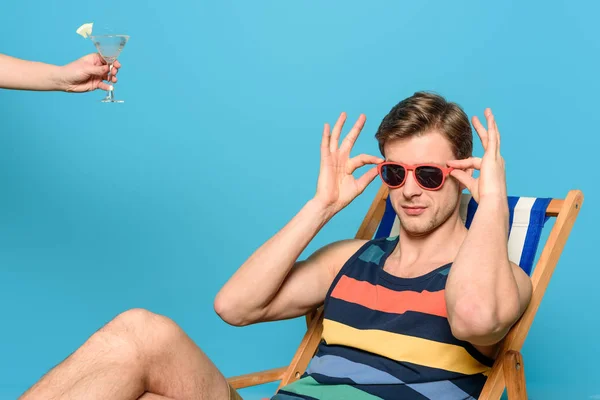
pixel 526 222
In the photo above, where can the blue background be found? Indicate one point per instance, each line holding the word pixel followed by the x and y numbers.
pixel 154 203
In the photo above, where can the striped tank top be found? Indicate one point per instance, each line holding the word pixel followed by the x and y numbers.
pixel 386 337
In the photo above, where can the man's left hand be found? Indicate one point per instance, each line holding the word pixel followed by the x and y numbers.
pixel 491 182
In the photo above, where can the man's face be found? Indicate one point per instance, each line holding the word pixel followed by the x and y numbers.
pixel 421 211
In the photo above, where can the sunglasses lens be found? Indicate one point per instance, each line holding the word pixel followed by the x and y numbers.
pixel 429 177
pixel 393 175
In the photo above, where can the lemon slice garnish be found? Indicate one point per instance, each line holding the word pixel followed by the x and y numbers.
pixel 85 30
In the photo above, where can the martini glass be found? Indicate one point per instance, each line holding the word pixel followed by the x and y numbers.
pixel 109 47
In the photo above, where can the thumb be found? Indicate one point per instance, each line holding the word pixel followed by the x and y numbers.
pixel 104 86
pixel 366 179
pixel 466 179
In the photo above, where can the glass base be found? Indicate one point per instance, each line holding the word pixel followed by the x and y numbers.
pixel 110 97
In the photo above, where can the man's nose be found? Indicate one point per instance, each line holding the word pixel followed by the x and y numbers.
pixel 411 188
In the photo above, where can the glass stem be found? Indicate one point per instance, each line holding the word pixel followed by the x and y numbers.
pixel 110 93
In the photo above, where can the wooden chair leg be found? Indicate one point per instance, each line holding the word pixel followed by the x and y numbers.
pixel 514 375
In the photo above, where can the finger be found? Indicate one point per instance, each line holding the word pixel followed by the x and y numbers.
pixel 97 58
pixel 481 132
pixel 114 70
pixel 325 141
pixel 93 58
pixel 497 133
pixel 471 162
pixel 351 137
pixel 366 179
pixel 111 79
pixel 104 86
pixel 100 70
pixel 117 64
pixel 356 162
pixel 492 133
pixel 337 130
pixel 466 179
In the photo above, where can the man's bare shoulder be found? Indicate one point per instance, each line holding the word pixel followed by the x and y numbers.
pixel 334 255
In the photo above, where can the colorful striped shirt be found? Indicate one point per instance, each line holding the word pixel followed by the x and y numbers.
pixel 386 337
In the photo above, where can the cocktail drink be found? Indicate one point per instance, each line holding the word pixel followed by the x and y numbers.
pixel 109 47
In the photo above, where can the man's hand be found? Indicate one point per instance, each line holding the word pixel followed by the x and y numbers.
pixel 336 186
pixel 86 74
pixel 492 179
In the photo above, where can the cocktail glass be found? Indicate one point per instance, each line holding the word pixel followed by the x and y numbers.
pixel 110 47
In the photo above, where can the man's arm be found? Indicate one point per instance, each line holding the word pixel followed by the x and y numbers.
pixel 485 292
pixel 84 74
pixel 271 284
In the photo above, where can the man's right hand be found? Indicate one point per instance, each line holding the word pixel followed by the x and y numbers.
pixel 336 186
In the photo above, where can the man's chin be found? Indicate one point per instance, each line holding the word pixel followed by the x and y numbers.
pixel 416 229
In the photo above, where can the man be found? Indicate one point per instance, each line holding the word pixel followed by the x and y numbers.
pixel 82 75
pixel 416 316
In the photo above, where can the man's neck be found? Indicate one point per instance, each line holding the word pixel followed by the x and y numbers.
pixel 419 254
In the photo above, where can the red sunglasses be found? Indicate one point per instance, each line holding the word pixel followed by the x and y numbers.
pixel 428 176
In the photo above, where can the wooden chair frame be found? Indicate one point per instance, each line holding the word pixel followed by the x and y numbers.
pixel 508 370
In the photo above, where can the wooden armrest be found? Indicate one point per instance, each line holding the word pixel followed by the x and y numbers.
pixel 257 378
pixel 514 375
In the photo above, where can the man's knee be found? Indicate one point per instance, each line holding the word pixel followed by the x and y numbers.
pixel 131 321
pixel 143 332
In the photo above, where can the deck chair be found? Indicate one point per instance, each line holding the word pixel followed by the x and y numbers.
pixel 527 218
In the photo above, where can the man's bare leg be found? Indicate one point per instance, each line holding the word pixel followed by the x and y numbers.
pixel 136 354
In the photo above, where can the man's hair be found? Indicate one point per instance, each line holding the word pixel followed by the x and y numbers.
pixel 422 112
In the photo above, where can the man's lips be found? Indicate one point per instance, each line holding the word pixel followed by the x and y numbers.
pixel 413 210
